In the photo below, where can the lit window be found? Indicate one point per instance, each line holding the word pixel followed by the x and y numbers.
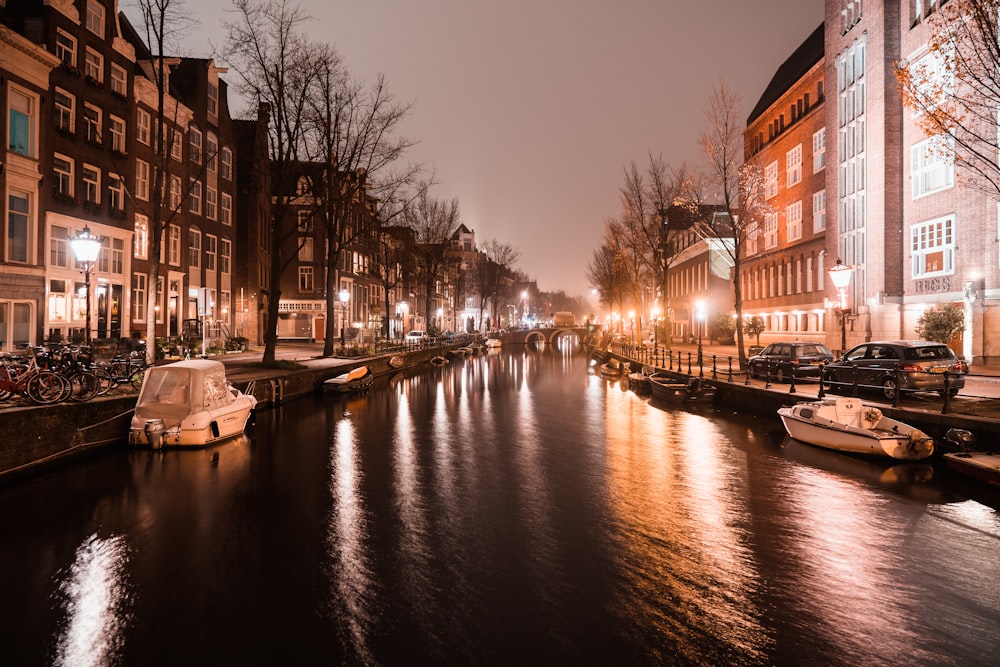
pixel 59 246
pixel 305 279
pixel 793 221
pixel 305 249
pixel 22 122
pixel 141 237
pixel 819 150
pixel 770 230
pixel 771 180
pixel 819 211
pixel 139 297
pixel 174 245
pixel 932 248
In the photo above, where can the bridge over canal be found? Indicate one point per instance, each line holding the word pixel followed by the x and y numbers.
pixel 548 334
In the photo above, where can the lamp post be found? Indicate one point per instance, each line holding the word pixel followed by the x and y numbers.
pixel 86 248
pixel 699 315
pixel 344 296
pixel 525 317
pixel 840 275
pixel 656 327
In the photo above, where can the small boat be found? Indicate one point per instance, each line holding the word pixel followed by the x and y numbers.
pixel 639 382
pixel 358 379
pixel 979 465
pixel 439 361
pixel 611 369
pixel 667 390
pixel 189 404
pixel 847 425
pixel 493 343
pixel 397 361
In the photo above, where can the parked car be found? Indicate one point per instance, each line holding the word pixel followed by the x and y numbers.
pixel 922 366
pixel 416 337
pixel 786 359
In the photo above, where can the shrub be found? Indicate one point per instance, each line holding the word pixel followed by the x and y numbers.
pixel 941 324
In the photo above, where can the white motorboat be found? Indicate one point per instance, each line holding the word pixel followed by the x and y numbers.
pixel 189 404
pixel 847 425
pixel 358 379
pixel 493 343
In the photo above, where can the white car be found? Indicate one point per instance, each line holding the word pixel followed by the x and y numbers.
pixel 416 337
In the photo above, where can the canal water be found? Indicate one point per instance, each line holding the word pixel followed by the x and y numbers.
pixel 509 509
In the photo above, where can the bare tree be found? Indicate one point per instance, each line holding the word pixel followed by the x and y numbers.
pixel 351 133
pixel 433 222
pixel 606 273
pixel 164 22
pixel 955 87
pixel 493 274
pixel 735 192
pixel 665 189
pixel 276 66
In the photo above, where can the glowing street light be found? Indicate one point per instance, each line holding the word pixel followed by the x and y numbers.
pixel 840 276
pixel 344 296
pixel 699 314
pixel 86 247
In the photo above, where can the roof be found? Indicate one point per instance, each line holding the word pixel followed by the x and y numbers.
pixel 801 61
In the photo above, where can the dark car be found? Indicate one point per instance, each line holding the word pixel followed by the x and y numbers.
pixel 783 360
pixel 913 365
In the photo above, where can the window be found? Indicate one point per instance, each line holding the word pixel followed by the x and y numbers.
pixel 93 66
pixel 793 165
pixel 225 253
pixel 934 73
pixel 305 249
pixel 142 126
pixel 91 124
pixel 141 248
pixel 793 221
pixel 194 144
pixel 931 167
pixel 211 250
pixel 117 127
pixel 194 248
pixel 59 246
pixel 932 248
pixel 116 192
pixel 142 180
pixel 62 168
pixel 211 197
pixel 65 111
pixel 174 197
pixel 305 222
pixel 95 18
pixel 194 197
pixel 819 150
pixel 305 279
pixel 226 210
pixel 139 297
pixel 18 226
pixel 66 48
pixel 174 245
pixel 211 152
pixel 770 230
pixel 213 99
pixel 119 80
pixel 91 184
pixel 771 180
pixel 176 149
pixel 226 162
pixel 117 256
pixel 22 114
pixel 819 211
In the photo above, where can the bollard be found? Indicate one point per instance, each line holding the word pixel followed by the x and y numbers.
pixel 791 381
pixel 822 377
pixel 715 374
pixel 767 376
pixel 947 393
pixel 896 394
pixel 689 363
pixel 730 360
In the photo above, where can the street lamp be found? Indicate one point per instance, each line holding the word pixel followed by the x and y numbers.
pixel 525 316
pixel 656 327
pixel 344 296
pixel 840 275
pixel 699 314
pixel 86 247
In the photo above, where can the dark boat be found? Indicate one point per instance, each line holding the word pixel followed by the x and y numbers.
pixel 668 390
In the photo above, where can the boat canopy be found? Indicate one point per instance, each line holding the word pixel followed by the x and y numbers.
pixel 183 388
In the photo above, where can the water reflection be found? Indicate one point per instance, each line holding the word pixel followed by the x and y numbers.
pixel 94 598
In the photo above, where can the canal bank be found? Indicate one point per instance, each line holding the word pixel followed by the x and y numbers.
pixel 38 437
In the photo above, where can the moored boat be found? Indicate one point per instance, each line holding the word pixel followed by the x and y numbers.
pixel 493 343
pixel 611 369
pixel 189 404
pixel 847 425
pixel 983 466
pixel 439 360
pixel 667 390
pixel 358 379
pixel 397 361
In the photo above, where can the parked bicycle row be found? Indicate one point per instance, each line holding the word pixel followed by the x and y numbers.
pixel 53 374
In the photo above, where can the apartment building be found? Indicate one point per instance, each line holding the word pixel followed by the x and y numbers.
pixel 782 276
pixel 916 236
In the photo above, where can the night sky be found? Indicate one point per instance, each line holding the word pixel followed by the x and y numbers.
pixel 529 110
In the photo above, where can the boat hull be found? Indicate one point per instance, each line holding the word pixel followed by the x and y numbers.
pixel 813 423
pixel 983 466
pixel 199 429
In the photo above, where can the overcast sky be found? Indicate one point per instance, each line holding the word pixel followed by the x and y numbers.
pixel 529 110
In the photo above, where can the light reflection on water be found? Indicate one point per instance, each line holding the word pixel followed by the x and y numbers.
pixel 95 601
pixel 507 509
